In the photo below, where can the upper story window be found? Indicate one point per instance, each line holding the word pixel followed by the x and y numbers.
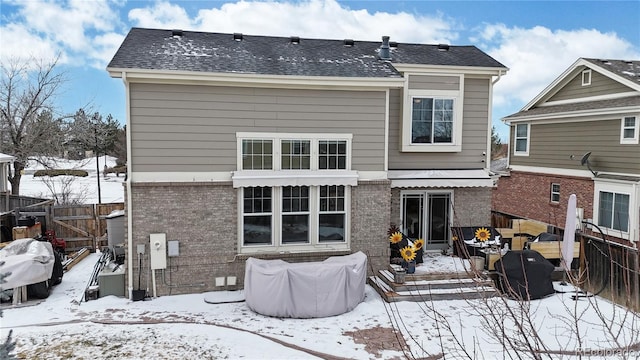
pixel 332 154
pixel 296 154
pixel 257 154
pixel 521 139
pixel 586 77
pixel 629 130
pixel 311 152
pixel 432 119
pixel 555 193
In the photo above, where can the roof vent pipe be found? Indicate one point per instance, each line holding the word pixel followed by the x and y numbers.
pixel 385 53
pixel 176 32
pixel 294 40
pixel 443 47
pixel 237 36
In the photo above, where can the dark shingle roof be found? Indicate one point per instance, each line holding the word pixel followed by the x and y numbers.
pixel 628 69
pixel 152 49
pixel 579 106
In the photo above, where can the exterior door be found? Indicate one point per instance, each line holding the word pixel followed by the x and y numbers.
pixel 426 215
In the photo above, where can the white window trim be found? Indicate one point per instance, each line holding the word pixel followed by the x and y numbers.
pixel 552 193
pixel 617 188
pixel 277 153
pixel 636 130
pixel 277 178
pixel 515 140
pixel 276 226
pixel 586 77
pixel 458 100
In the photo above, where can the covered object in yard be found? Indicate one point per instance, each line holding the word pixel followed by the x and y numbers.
pixel 305 290
pixel 28 261
pixel 525 275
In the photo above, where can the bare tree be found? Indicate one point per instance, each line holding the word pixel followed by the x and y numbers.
pixel 27 116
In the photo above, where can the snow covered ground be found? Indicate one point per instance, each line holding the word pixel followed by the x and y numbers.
pixel 187 327
pixel 84 188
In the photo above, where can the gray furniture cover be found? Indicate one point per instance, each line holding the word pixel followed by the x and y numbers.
pixel 28 261
pixel 305 290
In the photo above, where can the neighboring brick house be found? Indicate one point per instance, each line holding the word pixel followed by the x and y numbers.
pixel 297 149
pixel 580 135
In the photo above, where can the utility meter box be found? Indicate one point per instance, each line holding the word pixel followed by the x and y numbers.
pixel 158 251
pixel 174 248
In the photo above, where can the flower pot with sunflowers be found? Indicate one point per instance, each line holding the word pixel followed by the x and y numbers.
pixel 398 242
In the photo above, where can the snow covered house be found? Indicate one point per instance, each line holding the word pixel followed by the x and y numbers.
pixel 580 136
pixel 297 149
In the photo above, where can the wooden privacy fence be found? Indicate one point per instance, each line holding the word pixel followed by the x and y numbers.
pixel 611 270
pixel 82 226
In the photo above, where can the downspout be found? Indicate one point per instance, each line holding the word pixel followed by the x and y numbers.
pixel 487 158
pixel 128 185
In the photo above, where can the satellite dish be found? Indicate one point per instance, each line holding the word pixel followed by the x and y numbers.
pixel 585 161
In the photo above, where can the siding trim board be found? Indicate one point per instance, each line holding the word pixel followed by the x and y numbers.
pixel 251 80
pixel 589 99
pixel 212 177
pixel 575 116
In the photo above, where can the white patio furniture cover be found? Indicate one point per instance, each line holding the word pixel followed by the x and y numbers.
pixel 29 261
pixel 305 290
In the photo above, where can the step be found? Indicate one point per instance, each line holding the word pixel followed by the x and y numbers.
pixel 462 293
pixel 462 274
pixel 427 284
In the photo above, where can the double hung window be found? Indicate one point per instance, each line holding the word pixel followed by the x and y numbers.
pixel 521 138
pixel 296 197
pixel 629 130
pixel 432 120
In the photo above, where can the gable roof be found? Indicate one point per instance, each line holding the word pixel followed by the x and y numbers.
pixel 626 69
pixel 626 72
pixel 176 50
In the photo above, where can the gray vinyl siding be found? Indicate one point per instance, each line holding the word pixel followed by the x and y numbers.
pixel 474 133
pixel 189 128
pixel 600 85
pixel 426 82
pixel 553 144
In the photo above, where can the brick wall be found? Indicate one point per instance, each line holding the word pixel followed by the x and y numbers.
pixel 528 195
pixel 472 206
pixel 203 218
pixel 370 218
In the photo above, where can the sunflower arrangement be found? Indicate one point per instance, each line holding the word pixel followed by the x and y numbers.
pixel 408 253
pixel 482 234
pixel 396 237
pixel 418 244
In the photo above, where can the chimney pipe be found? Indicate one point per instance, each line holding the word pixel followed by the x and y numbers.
pixel 385 53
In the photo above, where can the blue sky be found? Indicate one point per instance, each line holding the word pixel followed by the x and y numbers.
pixel 537 40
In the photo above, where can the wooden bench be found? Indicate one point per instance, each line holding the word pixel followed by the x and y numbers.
pixel 518 231
pixel 552 249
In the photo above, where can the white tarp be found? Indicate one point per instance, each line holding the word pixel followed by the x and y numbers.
pixel 29 261
pixel 305 290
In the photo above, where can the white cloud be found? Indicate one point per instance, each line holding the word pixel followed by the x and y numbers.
pixel 537 56
pixel 161 15
pixel 20 44
pixel 69 28
pixel 314 18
